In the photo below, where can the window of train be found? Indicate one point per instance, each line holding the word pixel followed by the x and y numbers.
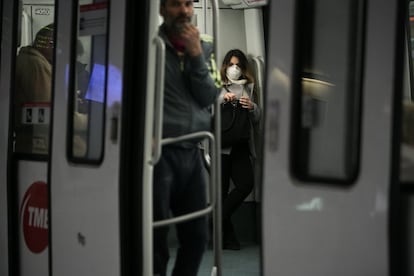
pixel 407 143
pixel 89 83
pixel 327 91
pixel 33 78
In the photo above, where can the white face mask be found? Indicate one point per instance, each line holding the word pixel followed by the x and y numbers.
pixel 233 72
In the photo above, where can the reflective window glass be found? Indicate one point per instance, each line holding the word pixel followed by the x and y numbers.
pixel 89 82
pixel 327 90
pixel 33 78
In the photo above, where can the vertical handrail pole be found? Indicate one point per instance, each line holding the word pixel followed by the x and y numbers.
pixel 159 100
pixel 217 236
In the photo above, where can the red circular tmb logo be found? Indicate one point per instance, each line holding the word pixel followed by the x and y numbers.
pixel 34 217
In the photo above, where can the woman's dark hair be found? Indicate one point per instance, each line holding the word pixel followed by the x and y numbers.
pixel 243 64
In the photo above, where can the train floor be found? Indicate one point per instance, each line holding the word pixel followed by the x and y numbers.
pixel 245 262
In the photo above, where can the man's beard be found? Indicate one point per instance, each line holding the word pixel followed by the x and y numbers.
pixel 178 24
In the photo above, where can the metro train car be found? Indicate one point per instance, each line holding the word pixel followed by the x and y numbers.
pixel 334 172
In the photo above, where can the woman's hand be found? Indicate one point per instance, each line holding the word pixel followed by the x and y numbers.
pixel 246 102
pixel 229 97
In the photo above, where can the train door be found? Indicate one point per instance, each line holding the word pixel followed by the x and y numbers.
pixel 100 158
pixel 73 175
pixel 4 142
pixel 27 139
pixel 334 74
pixel 407 155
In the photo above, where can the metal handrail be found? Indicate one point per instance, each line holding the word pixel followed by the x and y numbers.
pixel 217 236
pixel 159 99
pixel 209 209
pixel 217 223
pixel 259 64
pixel 216 30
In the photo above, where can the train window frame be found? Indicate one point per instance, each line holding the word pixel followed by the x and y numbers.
pixel 308 109
pixel 72 97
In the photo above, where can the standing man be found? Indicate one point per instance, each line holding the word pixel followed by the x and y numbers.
pixel 191 86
